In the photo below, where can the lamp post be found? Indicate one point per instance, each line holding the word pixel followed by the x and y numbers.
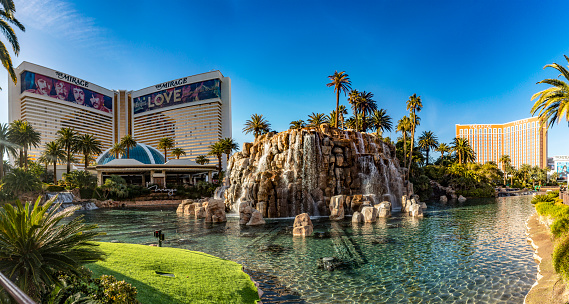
pixel 160 236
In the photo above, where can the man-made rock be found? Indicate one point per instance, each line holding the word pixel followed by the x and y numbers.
pixel 443 199
pixel 415 210
pixel 302 225
pixel 302 170
pixel 461 199
pixel 370 214
pixel 383 209
pixel 215 211
pixel 337 207
pixel 424 206
pixel 256 218
pixel 245 212
pixel 357 217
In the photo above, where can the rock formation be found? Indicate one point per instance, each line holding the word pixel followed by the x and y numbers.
pixel 299 171
pixel 250 216
pixel 302 225
pixel 215 211
pixel 212 210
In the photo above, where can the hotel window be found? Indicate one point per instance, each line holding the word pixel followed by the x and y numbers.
pixel 460 131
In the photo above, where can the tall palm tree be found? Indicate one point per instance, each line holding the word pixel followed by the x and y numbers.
pixel 297 124
pixel 166 143
pixel 7 17
pixel 116 150
pixel 525 170
pixel 381 122
pixel 343 112
pixel 202 160
pixel 217 150
pixel 463 149
pixel 36 247
pixel 67 138
pixel 257 125
pixel 229 145
pixel 428 141
pixel 505 160
pixel 341 83
pixel 22 133
pixel 443 148
pixel 316 119
pixel 177 152
pixel 332 119
pixel 355 98
pixel 54 153
pixel 127 142
pixel 367 106
pixel 553 103
pixel 414 105
pixel 403 126
pixel 88 145
pixel 6 147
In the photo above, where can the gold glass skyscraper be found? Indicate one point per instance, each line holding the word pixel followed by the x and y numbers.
pixel 524 140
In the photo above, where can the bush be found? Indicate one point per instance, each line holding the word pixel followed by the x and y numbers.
pixel 86 193
pixel 554 209
pixel 560 226
pixel 54 188
pixel 80 179
pixel 116 291
pixel 561 257
pixel 548 197
pixel 20 181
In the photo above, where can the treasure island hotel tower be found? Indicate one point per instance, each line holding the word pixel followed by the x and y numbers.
pixel 195 111
pixel 524 140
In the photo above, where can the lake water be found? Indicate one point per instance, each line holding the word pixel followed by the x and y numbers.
pixel 475 252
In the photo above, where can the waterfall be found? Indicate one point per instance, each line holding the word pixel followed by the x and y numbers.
pixel 369 176
pixel 67 199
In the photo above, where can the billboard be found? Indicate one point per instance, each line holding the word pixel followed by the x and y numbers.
pixel 180 94
pixel 66 88
pixel 561 168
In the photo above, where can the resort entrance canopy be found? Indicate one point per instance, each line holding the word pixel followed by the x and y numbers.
pixel 182 171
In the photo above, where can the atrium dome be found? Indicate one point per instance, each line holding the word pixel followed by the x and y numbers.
pixel 142 153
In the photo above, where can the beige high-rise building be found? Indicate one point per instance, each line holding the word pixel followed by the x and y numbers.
pixel 524 140
pixel 195 111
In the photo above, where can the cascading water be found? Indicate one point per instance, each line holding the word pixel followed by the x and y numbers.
pixel 67 199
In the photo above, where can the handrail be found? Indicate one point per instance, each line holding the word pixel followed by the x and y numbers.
pixel 14 291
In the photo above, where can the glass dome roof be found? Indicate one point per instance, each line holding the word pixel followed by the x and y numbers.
pixel 142 153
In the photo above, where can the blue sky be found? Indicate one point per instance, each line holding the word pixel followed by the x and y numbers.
pixel 470 61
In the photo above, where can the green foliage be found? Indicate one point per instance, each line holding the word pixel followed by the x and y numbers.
pixel 561 257
pixel 35 246
pixel 422 187
pixel 547 197
pixel 117 291
pixel 116 187
pixel 79 179
pixel 484 191
pixel 560 226
pixel 86 193
pixel 54 188
pixel 555 209
pixel 20 181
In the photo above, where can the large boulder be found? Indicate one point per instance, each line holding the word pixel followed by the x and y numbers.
pixel 302 225
pixel 461 199
pixel 337 207
pixel 383 209
pixel 415 210
pixel 443 199
pixel 357 217
pixel 256 218
pixel 215 211
pixel 245 213
pixel 370 214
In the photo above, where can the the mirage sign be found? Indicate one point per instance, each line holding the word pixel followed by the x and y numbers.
pixel 177 92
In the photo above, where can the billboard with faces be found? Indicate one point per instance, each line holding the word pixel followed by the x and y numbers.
pixel 65 90
pixel 177 92
pixel 562 168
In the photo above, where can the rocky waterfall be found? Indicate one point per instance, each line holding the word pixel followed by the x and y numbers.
pixel 298 171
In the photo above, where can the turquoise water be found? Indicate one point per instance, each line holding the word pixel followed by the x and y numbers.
pixel 475 252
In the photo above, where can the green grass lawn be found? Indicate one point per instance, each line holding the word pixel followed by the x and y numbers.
pixel 199 277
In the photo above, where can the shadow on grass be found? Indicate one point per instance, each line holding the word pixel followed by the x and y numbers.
pixel 146 293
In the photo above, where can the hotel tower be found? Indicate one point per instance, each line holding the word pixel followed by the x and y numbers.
pixel 195 111
pixel 525 141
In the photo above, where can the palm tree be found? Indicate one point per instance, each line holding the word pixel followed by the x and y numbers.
pixel 19 181
pixel 202 160
pixel 116 149
pixel 343 113
pixel 67 138
pixel 443 148
pixel 257 125
pixel 316 119
pixel 229 145
pixel 354 98
pixel 6 147
pixel 553 103
pixel 7 16
pixel 297 124
pixel 524 170
pixel 366 106
pixel 428 140
pixel 463 149
pixel 53 153
pixel 127 142
pixel 88 145
pixel 23 134
pixel 332 119
pixel 505 161
pixel 381 122
pixel 177 152
pixel 217 150
pixel 341 83
pixel 35 247
pixel 403 126
pixel 414 105
pixel 166 143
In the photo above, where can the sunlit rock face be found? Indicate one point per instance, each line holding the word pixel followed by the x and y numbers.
pixel 299 171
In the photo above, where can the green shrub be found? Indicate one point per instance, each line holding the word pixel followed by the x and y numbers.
pixel 554 209
pixel 86 193
pixel 548 197
pixel 561 257
pixel 80 179
pixel 54 188
pixel 116 291
pixel 560 226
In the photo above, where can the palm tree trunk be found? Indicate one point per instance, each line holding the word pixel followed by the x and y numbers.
pixel 26 157
pixel 68 160
pixel 1 164
pixel 128 153
pixel 86 157
pixel 404 149
pixel 337 105
pixel 21 160
pixel 165 155
pixel 411 152
pixel 219 168
pixel 54 172
pixel 427 157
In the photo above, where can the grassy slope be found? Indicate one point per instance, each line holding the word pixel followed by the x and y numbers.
pixel 200 278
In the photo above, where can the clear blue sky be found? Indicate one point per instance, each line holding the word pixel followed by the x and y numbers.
pixel 470 61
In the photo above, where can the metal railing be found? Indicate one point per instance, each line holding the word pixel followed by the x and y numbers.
pixel 16 293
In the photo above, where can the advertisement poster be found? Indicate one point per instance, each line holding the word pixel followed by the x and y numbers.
pixel 63 90
pixel 178 95
pixel 562 169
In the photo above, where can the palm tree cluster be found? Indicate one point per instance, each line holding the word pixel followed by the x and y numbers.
pixel 552 104
pixel 258 125
pixel 224 146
